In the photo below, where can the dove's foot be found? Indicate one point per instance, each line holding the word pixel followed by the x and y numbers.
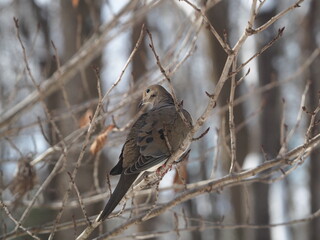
pixel 160 171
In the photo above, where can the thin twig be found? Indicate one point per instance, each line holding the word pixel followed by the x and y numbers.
pixel 79 199
pixel 135 49
pixel 262 50
pixel 62 86
pixel 223 43
pixel 278 16
pixel 233 146
pixel 299 116
pixel 201 135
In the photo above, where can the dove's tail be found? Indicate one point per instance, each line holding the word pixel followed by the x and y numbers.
pixel 123 185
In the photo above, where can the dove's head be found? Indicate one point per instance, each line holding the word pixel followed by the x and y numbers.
pixel 156 95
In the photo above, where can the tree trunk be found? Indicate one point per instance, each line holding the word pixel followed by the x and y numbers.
pixel 218 17
pixel 309 44
pixel 269 121
pixel 77 23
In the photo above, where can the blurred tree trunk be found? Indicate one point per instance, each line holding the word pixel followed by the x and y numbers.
pixel 77 23
pixel 219 18
pixel 270 118
pixel 310 30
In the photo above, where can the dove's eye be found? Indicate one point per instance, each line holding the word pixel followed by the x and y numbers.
pixel 148 90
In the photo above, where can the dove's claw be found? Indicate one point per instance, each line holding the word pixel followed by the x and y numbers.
pixel 160 172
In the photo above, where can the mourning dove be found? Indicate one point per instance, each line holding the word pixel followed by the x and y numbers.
pixel 151 140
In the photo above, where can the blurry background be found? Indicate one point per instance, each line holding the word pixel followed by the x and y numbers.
pixel 49 88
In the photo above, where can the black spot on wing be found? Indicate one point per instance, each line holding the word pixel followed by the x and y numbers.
pixel 149 139
pixel 161 132
pixel 140 139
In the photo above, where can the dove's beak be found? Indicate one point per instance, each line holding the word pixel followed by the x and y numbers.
pixel 140 104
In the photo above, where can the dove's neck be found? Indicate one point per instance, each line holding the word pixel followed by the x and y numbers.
pixel 167 100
